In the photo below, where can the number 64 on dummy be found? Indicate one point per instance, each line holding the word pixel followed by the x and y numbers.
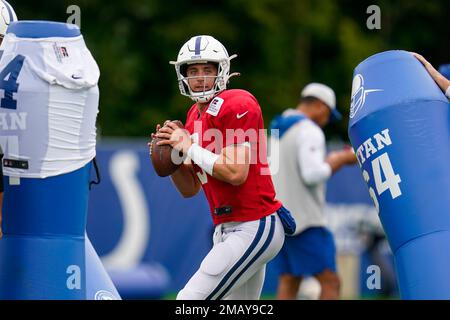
pixel 377 169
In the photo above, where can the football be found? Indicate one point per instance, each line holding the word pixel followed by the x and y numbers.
pixel 162 156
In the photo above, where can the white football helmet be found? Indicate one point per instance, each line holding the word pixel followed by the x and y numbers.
pixel 203 49
pixel 7 15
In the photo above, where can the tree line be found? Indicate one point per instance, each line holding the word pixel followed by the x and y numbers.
pixel 281 45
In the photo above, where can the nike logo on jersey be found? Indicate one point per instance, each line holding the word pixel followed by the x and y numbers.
pixel 239 116
pixel 75 77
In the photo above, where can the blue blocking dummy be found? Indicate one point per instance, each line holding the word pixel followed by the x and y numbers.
pixel 50 104
pixel 399 129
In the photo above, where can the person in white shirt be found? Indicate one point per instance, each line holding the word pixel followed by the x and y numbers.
pixel 442 81
pixel 303 170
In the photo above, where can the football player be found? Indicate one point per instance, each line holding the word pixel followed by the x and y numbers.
pixel 228 160
pixel 7 16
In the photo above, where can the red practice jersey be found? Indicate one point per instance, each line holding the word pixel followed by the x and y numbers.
pixel 232 118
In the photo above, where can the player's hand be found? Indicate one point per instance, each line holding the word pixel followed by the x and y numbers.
pixel 335 158
pixel 342 157
pixel 153 136
pixel 437 77
pixel 349 156
pixel 174 136
pixel 431 70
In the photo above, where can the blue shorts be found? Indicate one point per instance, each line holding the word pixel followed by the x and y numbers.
pixel 308 253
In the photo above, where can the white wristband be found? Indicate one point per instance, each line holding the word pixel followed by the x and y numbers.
pixel 447 93
pixel 203 158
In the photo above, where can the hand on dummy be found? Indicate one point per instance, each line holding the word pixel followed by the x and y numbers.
pixel 437 77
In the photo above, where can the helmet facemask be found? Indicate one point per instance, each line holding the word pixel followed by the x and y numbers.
pixel 220 83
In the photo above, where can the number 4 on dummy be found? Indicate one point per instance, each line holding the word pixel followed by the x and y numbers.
pixel 8 82
pixel 382 166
